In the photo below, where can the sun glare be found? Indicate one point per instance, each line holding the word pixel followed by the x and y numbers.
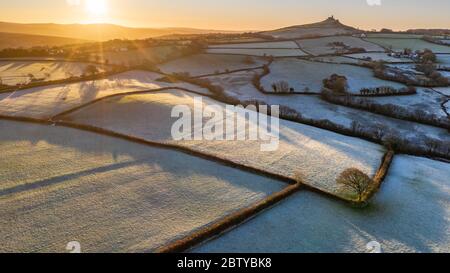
pixel 96 7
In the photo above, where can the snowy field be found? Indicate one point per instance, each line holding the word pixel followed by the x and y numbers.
pixel 110 195
pixel 47 101
pixel 337 60
pixel 444 90
pixel 206 64
pixel 379 57
pixel 19 72
pixel 411 213
pixel 136 57
pixel 239 85
pixel 425 100
pixel 321 46
pixel 394 35
pixel 273 45
pixel 444 59
pixel 258 52
pixel 319 156
pixel 414 44
pixel 303 75
pixel 408 68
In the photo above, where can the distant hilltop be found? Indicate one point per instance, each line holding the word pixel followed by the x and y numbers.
pixel 328 27
pixel 98 32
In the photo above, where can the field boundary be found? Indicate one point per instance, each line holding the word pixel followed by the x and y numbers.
pixel 229 222
pixel 167 146
pixel 137 92
pixel 175 147
pixel 377 108
pixel 229 72
pixel 380 175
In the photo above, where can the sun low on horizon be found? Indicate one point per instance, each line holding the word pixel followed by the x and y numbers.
pixel 96 7
pixel 91 11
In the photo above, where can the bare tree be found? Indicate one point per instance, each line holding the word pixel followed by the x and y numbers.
pixel 379 130
pixel 281 87
pixel 356 181
pixel 432 144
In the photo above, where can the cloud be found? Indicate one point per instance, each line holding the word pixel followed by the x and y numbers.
pixel 374 2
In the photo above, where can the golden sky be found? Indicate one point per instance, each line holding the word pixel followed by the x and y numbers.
pixel 231 14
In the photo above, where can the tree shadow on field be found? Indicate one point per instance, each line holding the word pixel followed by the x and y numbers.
pixel 403 218
pixel 121 154
pixel 134 197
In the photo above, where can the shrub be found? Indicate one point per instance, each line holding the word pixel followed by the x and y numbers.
pixel 256 80
pixel 356 181
pixel 281 87
pixel 336 83
pixel 428 56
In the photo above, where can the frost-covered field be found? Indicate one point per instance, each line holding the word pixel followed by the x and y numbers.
pixel 425 100
pixel 445 74
pixel 19 72
pixel 443 59
pixel 135 57
pixel 411 213
pixel 318 155
pixel 414 44
pixel 258 52
pixel 273 45
pixel 47 101
pixel 336 59
pixel 304 75
pixel 443 90
pixel 408 68
pixel 204 64
pixel 379 57
pixel 60 185
pixel 321 46
pixel 312 107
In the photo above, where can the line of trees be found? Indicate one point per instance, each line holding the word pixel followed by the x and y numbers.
pixel 390 110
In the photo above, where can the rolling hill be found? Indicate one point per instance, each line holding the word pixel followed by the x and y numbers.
pixel 330 26
pixel 97 32
pixel 17 40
